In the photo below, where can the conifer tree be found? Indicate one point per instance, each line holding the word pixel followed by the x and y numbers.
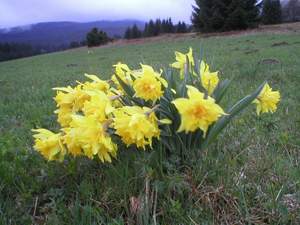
pixel 202 15
pixel 164 28
pixel 96 37
pixel 146 31
pixel 271 13
pixel 237 18
pixel 157 27
pixel 127 34
pixel 135 32
pixel 222 15
pixel 170 26
pixel 151 29
pixel 184 28
pixel 181 27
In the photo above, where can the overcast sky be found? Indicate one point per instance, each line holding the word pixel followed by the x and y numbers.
pixel 22 12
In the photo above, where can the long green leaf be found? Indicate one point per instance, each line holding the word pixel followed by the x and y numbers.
pixel 128 89
pixel 221 90
pixel 233 111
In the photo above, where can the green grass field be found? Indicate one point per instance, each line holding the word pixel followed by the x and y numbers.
pixel 250 176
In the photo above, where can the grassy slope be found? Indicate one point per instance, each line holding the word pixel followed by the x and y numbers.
pixel 264 150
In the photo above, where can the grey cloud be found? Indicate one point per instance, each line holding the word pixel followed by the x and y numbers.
pixel 21 12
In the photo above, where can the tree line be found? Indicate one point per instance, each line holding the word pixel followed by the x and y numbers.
pixel 155 28
pixel 9 51
pixel 14 50
pixel 226 15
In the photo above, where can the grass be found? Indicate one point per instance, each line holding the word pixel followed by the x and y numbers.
pixel 249 176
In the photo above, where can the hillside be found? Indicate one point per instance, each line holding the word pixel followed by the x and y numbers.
pixel 62 33
pixel 249 176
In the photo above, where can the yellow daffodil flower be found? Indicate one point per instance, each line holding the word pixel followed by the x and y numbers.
pixel 209 80
pixel 69 101
pixel 123 72
pixel 181 62
pixel 99 106
pixel 148 84
pixel 196 111
pixel 89 135
pixel 49 144
pixel 64 115
pixel 72 97
pixel 71 141
pixel 267 100
pixel 135 125
pixel 96 84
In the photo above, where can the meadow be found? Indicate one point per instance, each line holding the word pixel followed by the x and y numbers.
pixel 250 175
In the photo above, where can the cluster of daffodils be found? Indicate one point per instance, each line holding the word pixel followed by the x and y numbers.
pixel 178 107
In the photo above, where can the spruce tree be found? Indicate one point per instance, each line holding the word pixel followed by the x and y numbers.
pixel 271 13
pixel 237 18
pixel 135 32
pixel 157 27
pixel 151 28
pixel 170 26
pixel 222 15
pixel 127 34
pixel 202 15
pixel 164 28
pixel 96 37
pixel 184 27
pixel 146 30
pixel 181 27
pixel 178 27
pixel 252 9
pixel 103 38
pixel 92 37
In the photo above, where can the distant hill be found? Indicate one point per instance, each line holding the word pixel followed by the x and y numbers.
pixel 62 33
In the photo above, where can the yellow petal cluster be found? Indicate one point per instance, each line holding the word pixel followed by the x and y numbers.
pixel 99 106
pixel 73 98
pixel 124 73
pixel 88 135
pixel 49 144
pixel 136 125
pixel 196 111
pixel 96 84
pixel 148 84
pixel 69 101
pixel 181 62
pixel 209 80
pixel 267 100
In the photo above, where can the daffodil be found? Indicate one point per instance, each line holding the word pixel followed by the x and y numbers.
pixel 267 100
pixel 181 62
pixel 96 84
pixel 136 125
pixel 69 101
pixel 209 80
pixel 148 84
pixel 196 111
pixel 72 97
pixel 49 144
pixel 70 138
pixel 89 135
pixel 64 115
pixel 99 106
pixel 124 73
